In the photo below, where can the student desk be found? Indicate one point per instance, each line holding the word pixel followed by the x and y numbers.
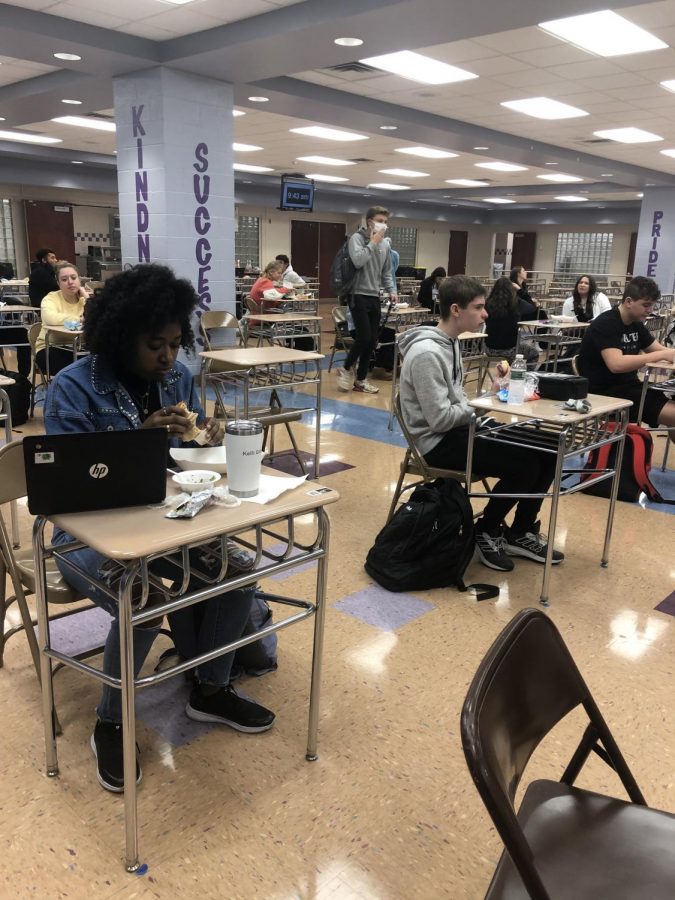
pixel 555 337
pixel 281 328
pixel 307 303
pixel 6 417
pixel 547 426
pixel 65 339
pixel 135 536
pixel 668 386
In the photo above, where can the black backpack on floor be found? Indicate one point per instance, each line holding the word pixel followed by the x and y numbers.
pixel 428 543
pixel 19 396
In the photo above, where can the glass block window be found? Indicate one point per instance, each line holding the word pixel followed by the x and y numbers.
pixel 7 254
pixel 579 252
pixel 247 241
pixel 404 240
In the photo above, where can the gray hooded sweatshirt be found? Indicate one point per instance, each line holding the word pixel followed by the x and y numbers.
pixel 372 263
pixel 432 395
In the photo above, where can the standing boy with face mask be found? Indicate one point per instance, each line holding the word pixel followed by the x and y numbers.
pixel 370 254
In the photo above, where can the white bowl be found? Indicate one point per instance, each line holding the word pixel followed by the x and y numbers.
pixel 195 480
pixel 209 459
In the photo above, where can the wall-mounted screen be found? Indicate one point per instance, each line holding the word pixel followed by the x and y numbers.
pixel 296 193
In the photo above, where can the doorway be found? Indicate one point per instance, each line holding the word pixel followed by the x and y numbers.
pixel 524 249
pixel 457 252
pixel 50 225
pixel 313 248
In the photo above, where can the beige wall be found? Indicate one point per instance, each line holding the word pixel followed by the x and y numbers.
pixel 546 244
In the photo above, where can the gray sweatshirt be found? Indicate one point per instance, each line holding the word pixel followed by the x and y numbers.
pixel 433 400
pixel 373 264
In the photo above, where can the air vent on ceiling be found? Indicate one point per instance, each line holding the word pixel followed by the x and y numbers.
pixel 596 141
pixel 355 66
pixel 361 159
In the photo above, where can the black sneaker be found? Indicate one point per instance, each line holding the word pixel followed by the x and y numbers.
pixel 491 551
pixel 228 708
pixel 531 545
pixel 106 744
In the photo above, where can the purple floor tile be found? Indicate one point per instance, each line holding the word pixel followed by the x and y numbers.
pixel 381 608
pixel 81 631
pixel 278 548
pixel 288 463
pixel 162 708
pixel 667 606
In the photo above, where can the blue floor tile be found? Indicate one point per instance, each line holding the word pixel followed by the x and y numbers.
pixel 382 609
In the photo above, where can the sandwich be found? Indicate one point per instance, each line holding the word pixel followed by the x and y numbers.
pixel 193 433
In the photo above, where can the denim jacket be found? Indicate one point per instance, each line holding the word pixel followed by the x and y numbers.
pixel 88 396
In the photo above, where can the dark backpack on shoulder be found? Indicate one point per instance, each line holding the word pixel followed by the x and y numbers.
pixel 19 397
pixel 428 543
pixel 342 272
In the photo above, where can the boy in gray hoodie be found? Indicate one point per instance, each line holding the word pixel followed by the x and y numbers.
pixel 437 413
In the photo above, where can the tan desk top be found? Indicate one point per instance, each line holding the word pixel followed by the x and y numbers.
pixel 14 282
pixel 5 381
pixel 136 531
pixel 61 329
pixel 661 365
pixel 249 357
pixel 547 323
pixel 550 410
pixel 285 317
pixel 18 309
pixel 471 335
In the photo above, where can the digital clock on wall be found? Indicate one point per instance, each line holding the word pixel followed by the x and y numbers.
pixel 296 193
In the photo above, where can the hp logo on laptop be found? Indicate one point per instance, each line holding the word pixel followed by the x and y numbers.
pixel 98 470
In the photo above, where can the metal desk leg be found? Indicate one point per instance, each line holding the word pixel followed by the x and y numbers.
pixel 394 381
pixel 615 489
pixel 128 720
pixel 46 684
pixel 47 353
pixel 555 497
pixel 317 655
pixel 317 437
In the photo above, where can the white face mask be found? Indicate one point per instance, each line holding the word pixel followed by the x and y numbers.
pixel 379 226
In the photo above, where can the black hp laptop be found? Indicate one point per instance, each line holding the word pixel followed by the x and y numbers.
pixel 68 473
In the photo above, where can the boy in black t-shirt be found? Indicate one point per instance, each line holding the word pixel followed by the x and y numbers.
pixel 617 344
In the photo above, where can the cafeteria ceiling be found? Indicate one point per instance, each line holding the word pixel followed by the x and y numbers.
pixel 285 50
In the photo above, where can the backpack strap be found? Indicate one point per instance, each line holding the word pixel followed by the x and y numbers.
pixel 483 591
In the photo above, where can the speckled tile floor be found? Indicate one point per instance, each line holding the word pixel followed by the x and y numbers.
pixel 388 812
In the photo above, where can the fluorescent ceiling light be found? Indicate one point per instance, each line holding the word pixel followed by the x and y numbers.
pixel 326 161
pixel 241 167
pixel 324 177
pixel 3 119
pixel 238 112
pixel 245 148
pixel 83 122
pixel 77 162
pixel 466 182
pixel 24 137
pixel 669 85
pixel 259 99
pixel 481 148
pixel 417 67
pixel 176 2
pixel 497 200
pixel 559 177
pixel 668 153
pixel 348 42
pixel 388 127
pixel 72 102
pixel 572 198
pixel 427 152
pixel 501 167
pixel 389 187
pixel 329 134
pixel 628 135
pixel 67 57
pixel 404 173
pixel 604 33
pixel 544 108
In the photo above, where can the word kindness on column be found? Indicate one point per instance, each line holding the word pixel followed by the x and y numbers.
pixel 141 180
pixel 202 186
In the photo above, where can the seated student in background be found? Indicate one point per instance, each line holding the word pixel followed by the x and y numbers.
pixel 617 344
pixel 289 277
pixel 266 283
pixel 429 288
pixel 57 307
pixel 437 413
pixel 505 309
pixel 586 302
pixel 133 379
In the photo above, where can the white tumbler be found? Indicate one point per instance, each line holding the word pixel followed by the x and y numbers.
pixel 243 445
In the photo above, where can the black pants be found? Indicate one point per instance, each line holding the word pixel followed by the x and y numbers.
pixel 13 336
pixel 366 315
pixel 58 359
pixel 520 471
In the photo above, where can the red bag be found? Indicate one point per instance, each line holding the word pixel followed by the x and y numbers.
pixel 635 467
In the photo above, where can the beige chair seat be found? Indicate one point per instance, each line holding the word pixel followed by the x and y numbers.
pixel 57 589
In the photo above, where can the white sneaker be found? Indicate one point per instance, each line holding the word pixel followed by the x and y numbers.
pixel 365 387
pixel 345 379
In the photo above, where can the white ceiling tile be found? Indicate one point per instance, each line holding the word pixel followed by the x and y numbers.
pixel 149 32
pixel 88 16
pixel 593 68
pixel 460 52
pixel 520 40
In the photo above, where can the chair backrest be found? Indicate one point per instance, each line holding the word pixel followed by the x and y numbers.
pixel 213 319
pixel 414 452
pixel 33 335
pixel 251 305
pixel 339 316
pixel 12 472
pixel 575 364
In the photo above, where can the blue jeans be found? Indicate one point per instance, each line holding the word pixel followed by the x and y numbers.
pixel 196 629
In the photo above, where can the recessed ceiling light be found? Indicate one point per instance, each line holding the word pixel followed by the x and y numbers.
pixel 559 177
pixel 77 162
pixel 427 152
pixel 245 148
pixel 481 148
pixel 628 135
pixel 238 112
pixel 404 173
pixel 329 134
pixel 497 200
pixel 544 108
pixel 501 167
pixel 242 167
pixel 466 182
pixel 326 161
pixel 417 67
pixel 68 57
pixel 24 137
pixel 388 127
pixel 259 99
pixel 83 122
pixel 325 177
pixel 572 198
pixel 72 102
pixel 348 42
pixel 388 187
pixel 604 33
pixel 668 152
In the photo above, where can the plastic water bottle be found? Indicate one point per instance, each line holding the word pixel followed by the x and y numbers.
pixel 517 380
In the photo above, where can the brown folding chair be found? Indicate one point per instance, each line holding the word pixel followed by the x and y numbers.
pixel 33 334
pixel 341 340
pixel 563 843
pixel 209 322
